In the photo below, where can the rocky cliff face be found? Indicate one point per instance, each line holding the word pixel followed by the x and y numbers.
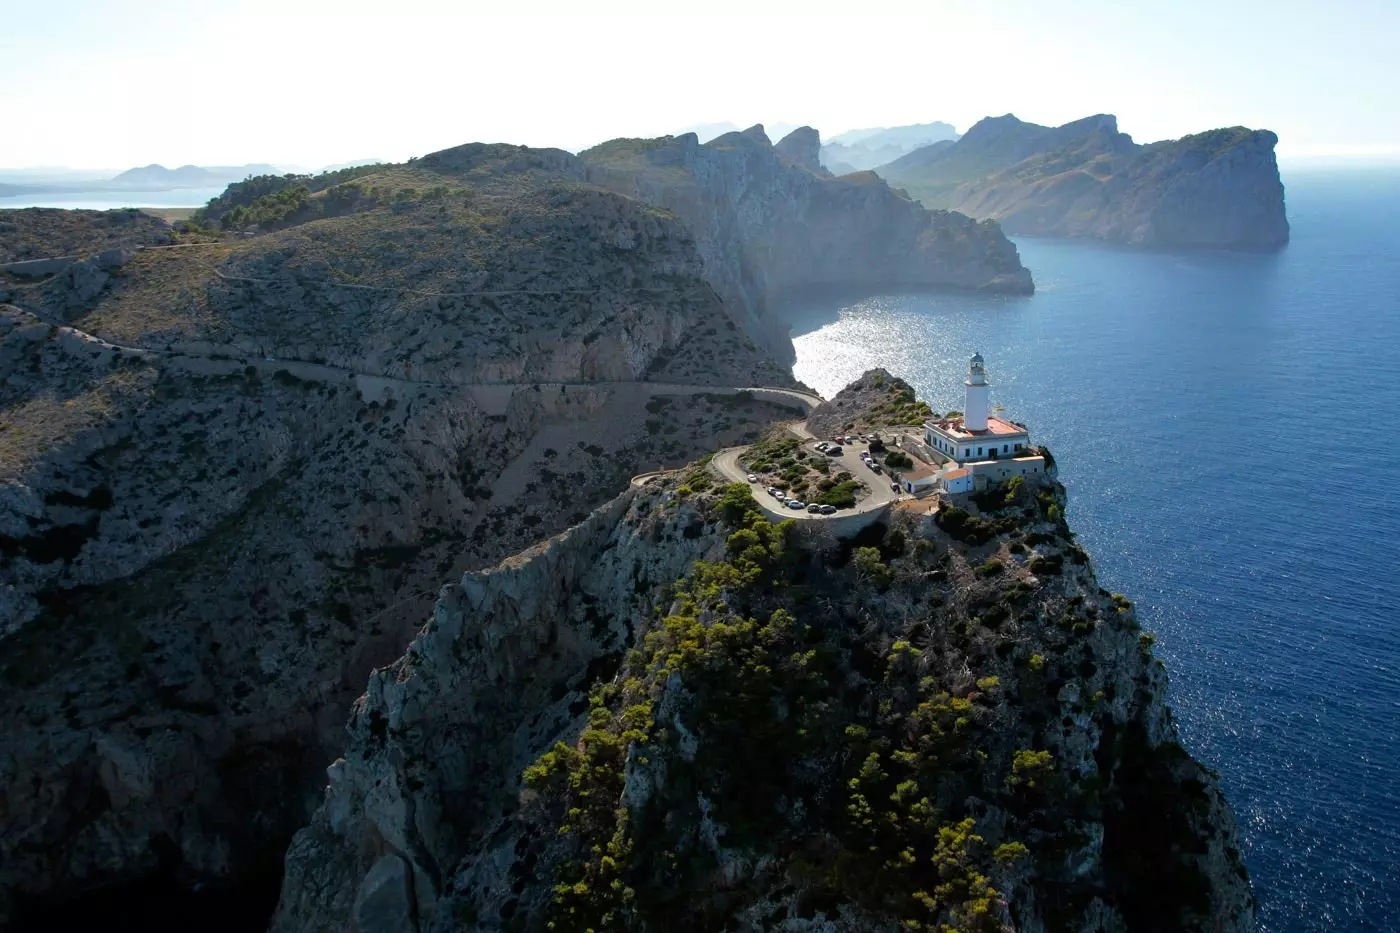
pixel 1213 190
pixel 234 475
pixel 767 224
pixel 946 722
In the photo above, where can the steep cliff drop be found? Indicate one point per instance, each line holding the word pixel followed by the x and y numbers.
pixel 769 220
pixel 679 715
pixel 1214 190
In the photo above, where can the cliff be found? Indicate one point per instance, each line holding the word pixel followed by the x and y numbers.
pixel 768 226
pixel 233 475
pixel 795 736
pixel 680 716
pixel 1213 190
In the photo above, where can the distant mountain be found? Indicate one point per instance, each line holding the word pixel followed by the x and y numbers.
pixel 1218 189
pixel 858 150
pixel 190 176
pixel 708 131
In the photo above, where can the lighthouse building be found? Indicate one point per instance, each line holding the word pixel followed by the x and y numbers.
pixel 982 432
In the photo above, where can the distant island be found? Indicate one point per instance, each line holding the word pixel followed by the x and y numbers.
pixel 190 176
pixel 1215 190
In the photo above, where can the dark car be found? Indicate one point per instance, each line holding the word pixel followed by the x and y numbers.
pixel 833 451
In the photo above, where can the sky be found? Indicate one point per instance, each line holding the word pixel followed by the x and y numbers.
pixel 114 84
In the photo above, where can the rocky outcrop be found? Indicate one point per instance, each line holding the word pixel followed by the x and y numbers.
pixel 953 725
pixel 802 147
pixel 1213 190
pixel 876 401
pixel 767 227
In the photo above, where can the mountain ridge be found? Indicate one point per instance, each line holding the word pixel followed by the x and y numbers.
pixel 1214 190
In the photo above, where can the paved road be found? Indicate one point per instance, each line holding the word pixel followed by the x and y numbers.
pixel 726 464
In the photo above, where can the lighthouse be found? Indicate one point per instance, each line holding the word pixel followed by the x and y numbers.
pixel 979 395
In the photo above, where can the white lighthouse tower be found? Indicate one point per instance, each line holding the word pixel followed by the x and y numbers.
pixel 979 395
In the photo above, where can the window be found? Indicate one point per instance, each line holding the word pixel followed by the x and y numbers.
pixel 1004 448
pixel 979 451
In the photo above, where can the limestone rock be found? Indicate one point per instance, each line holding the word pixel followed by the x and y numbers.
pixel 1214 190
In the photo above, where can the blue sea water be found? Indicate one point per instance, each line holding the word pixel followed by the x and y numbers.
pixel 109 199
pixel 1228 428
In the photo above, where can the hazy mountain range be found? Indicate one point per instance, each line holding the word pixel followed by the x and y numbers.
pixel 858 150
pixel 154 177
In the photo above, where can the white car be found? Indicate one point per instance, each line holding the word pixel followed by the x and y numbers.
pixel 823 446
pixel 796 504
pixel 753 478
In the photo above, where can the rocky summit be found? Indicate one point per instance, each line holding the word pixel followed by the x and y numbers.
pixel 681 715
pixel 1214 190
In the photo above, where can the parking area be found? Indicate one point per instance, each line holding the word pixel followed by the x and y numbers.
pixel 814 478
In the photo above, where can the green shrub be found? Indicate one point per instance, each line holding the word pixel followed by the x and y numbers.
pixel 896 460
pixel 842 495
pixel 1029 768
pixel 990 568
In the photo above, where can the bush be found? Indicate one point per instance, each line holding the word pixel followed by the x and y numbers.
pixel 990 568
pixel 897 460
pixel 869 566
pixel 736 502
pixel 1029 768
pixel 842 495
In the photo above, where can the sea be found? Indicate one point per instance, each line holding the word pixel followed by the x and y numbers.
pixel 1228 429
pixel 109 199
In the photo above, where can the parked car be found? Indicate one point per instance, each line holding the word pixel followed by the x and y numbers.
pixel 814 508
pixel 832 451
pixel 775 492
pixel 796 504
pixel 894 487
pixel 875 466
pixel 828 510
pixel 753 478
pixel 823 445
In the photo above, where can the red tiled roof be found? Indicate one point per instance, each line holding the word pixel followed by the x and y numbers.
pixel 919 473
pixel 955 474
pixel 995 427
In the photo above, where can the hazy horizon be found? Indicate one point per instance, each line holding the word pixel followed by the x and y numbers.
pixel 308 83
